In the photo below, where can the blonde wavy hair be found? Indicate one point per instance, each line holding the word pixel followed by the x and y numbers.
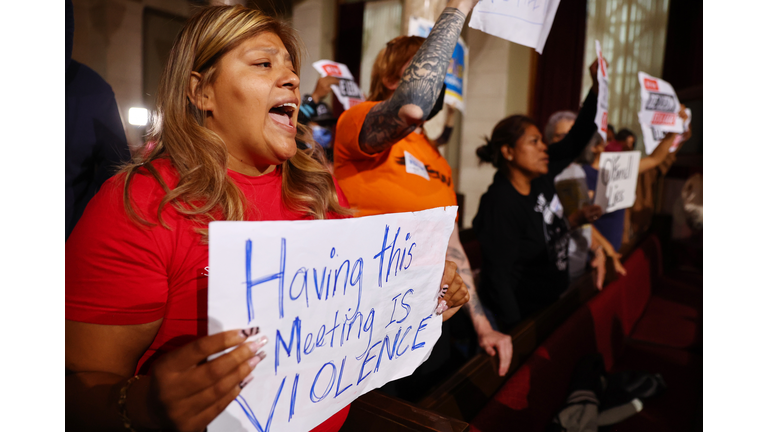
pixel 205 192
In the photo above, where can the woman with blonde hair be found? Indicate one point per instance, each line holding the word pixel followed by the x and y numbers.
pixel 136 275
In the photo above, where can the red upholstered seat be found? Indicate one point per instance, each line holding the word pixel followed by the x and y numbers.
pixel 642 322
pixel 669 324
pixel 539 387
pixel 678 409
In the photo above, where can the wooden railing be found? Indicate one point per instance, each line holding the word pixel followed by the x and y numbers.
pixel 456 401
pixel 467 391
pixel 378 412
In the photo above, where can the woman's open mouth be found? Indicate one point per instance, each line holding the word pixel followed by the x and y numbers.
pixel 283 115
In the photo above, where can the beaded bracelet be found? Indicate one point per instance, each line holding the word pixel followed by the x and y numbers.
pixel 122 401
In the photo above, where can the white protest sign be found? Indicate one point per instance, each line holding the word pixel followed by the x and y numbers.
pixel 456 75
pixel 348 305
pixel 603 93
pixel 659 104
pixel 617 180
pixel 525 22
pixel 652 135
pixel 347 91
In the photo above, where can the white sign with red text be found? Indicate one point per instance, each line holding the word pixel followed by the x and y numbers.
pixel 652 136
pixel 659 105
pixel 347 91
pixel 601 118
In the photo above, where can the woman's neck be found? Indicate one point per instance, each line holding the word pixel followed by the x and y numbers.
pixel 520 181
pixel 242 167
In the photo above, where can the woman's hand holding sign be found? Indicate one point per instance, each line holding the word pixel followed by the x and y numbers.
pixel 187 393
pixel 455 293
pixel 182 392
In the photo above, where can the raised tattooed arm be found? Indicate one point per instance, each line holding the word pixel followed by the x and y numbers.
pixel 420 85
pixel 490 340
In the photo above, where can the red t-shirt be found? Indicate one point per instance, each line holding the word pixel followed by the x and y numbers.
pixel 120 273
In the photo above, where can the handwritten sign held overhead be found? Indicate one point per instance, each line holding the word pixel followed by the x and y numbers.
pixel 525 22
pixel 617 180
pixel 347 91
pixel 348 305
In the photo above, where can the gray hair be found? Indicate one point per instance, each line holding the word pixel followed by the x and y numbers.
pixel 549 129
pixel 587 155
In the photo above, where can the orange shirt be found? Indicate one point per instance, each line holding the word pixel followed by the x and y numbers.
pixel 409 176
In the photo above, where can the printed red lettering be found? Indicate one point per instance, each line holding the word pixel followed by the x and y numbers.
pixel 602 64
pixel 332 70
pixel 663 118
pixel 650 84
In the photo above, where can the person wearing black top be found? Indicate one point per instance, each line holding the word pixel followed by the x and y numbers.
pixel 94 140
pixel 520 222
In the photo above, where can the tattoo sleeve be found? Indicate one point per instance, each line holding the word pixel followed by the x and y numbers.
pixel 473 306
pixel 420 86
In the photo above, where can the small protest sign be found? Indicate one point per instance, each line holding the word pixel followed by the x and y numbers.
pixel 348 305
pixel 659 105
pixel 652 135
pixel 347 91
pixel 523 22
pixel 456 75
pixel 601 118
pixel 617 180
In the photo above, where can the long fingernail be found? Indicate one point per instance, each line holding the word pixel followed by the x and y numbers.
pixel 443 290
pixel 256 345
pixel 246 333
pixel 245 382
pixel 441 307
pixel 253 361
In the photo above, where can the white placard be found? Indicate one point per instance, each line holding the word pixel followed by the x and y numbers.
pixel 652 136
pixel 603 94
pixel 347 91
pixel 617 180
pixel 659 105
pixel 348 305
pixel 525 22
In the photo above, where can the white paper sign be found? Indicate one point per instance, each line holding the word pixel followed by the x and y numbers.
pixel 347 92
pixel 348 305
pixel 456 75
pixel 617 180
pixel 659 105
pixel 652 135
pixel 601 118
pixel 525 22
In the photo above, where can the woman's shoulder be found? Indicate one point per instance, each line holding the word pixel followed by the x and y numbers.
pixel 358 112
pixel 144 187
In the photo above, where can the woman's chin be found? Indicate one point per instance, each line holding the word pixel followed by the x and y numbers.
pixel 286 154
pixel 282 151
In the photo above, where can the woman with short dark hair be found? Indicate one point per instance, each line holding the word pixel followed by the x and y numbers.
pixel 520 222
